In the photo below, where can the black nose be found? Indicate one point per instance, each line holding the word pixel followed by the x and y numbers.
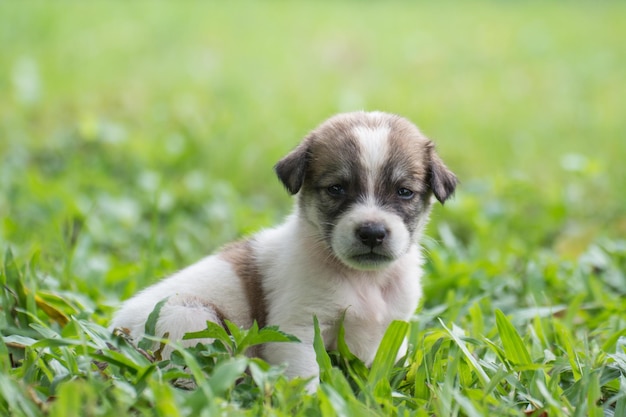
pixel 371 234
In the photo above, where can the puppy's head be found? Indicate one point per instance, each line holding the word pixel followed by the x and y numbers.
pixel 365 182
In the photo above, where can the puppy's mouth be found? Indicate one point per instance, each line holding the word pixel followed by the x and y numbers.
pixel 370 260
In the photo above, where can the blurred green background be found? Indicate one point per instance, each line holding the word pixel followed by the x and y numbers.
pixel 137 137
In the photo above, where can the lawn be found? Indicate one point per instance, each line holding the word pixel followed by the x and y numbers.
pixel 136 138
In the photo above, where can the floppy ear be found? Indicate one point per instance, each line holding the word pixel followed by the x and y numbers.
pixel 442 180
pixel 292 167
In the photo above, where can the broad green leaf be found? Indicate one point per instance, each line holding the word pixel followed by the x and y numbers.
pixel 166 402
pixel 52 312
pixel 323 360
pixel 18 341
pixel 612 341
pixel 142 377
pixel 467 405
pixel 98 335
pixel 272 334
pixel 340 384
pixel 5 358
pixel 387 351
pixel 212 331
pixel 44 331
pixel 382 392
pixel 226 373
pixel 56 342
pixel 342 347
pixel 17 400
pixel 420 376
pixel 151 323
pixel 478 321
pixel 243 337
pixel 566 341
pixel 355 366
pixel 15 283
pixel 620 406
pixel 594 394
pixel 259 372
pixel 11 276
pixel 513 344
pixel 255 336
pixel 196 371
pixel 548 398
pixel 332 403
pixel 235 332
pixel 121 360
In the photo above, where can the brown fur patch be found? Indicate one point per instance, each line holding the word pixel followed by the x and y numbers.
pixel 409 144
pixel 198 302
pixel 330 153
pixel 241 257
pixel 409 150
pixel 220 316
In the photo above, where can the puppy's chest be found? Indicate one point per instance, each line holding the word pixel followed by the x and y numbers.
pixel 364 304
pixel 366 313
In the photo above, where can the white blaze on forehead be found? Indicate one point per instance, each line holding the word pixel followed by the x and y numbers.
pixel 374 149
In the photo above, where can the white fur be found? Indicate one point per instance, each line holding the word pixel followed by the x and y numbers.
pixel 374 146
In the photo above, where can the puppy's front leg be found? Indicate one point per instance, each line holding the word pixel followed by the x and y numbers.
pixel 298 356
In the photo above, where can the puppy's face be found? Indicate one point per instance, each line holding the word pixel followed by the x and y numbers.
pixel 365 182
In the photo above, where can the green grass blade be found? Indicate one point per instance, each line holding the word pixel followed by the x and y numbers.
pixel 18 403
pixel 150 327
pixel 270 334
pixel 121 360
pixel 482 375
pixel 387 351
pixel 513 344
pixel 467 405
pixel 323 360
pixel 226 373
pixel 212 331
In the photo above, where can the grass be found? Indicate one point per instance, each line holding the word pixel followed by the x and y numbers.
pixel 136 139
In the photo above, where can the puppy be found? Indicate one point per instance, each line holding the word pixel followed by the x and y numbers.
pixel 364 186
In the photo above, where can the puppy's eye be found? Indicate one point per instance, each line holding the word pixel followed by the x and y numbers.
pixel 405 193
pixel 336 190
